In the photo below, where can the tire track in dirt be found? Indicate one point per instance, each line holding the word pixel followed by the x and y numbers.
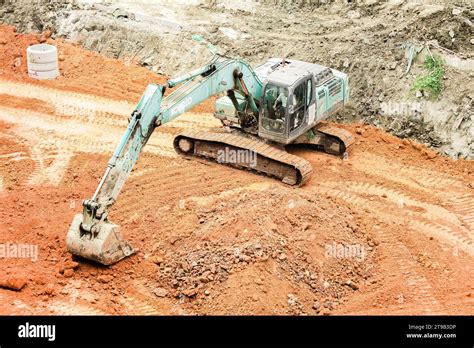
pixel 430 215
pixel 452 221
pixel 74 308
pixel 78 124
pixel 54 143
pixel 83 123
pixel 463 206
pixel 453 302
pixel 414 177
pixel 420 288
pixel 64 100
pixel 48 174
pixel 443 232
pixel 78 301
pixel 140 301
pixel 76 136
pixel 94 109
pixel 211 198
pixel 163 191
pixel 432 220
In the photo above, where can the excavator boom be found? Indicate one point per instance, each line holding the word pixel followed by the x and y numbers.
pixel 91 234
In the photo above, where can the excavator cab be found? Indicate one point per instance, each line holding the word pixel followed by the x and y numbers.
pixel 286 110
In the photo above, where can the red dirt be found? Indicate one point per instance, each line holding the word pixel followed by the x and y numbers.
pixel 81 71
pixel 213 239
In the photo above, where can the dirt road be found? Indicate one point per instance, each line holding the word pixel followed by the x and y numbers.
pixel 390 230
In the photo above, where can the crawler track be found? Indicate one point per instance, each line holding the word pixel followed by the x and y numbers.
pixel 271 160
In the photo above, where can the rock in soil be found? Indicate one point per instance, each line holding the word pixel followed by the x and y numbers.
pixel 13 283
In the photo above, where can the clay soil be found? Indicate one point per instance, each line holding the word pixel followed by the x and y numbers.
pixel 212 239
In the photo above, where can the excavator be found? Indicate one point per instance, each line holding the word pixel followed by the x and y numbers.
pixel 264 109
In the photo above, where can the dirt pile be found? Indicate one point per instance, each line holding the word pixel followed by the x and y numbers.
pixel 297 239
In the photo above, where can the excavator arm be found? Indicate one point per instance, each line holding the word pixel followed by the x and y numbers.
pixel 91 234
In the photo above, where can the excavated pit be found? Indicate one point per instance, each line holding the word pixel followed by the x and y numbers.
pixel 389 229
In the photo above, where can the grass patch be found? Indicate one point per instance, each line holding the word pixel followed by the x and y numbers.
pixel 433 80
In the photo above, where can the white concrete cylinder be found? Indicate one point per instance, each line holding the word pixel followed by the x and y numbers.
pixel 43 62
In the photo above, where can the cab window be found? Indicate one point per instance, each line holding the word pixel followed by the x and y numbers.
pixel 274 108
pixel 297 116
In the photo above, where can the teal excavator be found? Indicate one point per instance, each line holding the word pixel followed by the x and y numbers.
pixel 278 103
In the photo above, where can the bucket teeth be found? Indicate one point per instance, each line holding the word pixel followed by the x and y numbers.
pixel 106 247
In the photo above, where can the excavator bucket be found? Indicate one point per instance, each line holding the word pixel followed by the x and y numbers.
pixel 106 247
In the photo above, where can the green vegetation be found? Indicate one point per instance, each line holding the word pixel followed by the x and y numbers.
pixel 310 134
pixel 433 80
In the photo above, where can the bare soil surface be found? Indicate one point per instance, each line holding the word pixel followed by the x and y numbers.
pixel 389 230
